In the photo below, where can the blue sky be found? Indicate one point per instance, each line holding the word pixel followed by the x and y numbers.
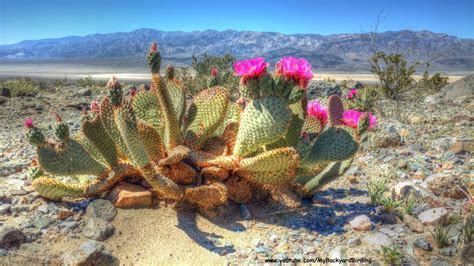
pixel 37 19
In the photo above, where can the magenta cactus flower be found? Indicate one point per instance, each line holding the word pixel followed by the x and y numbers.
pixel 315 109
pixel 251 68
pixel 94 106
pixel 298 69
pixel 351 118
pixel 28 123
pixel 214 72
pixel 58 117
pixel 133 92
pixel 351 94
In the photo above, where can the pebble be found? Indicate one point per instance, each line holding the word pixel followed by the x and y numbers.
pixel 244 212
pixel 127 195
pixel 414 224
pixel 447 251
pixel 361 223
pixel 354 242
pixel 4 208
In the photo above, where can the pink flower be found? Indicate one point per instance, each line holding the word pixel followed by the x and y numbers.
pixel 94 106
pixel 315 109
pixel 153 47
pixel 351 94
pixel 214 72
pixel 351 118
pixel 252 68
pixel 28 123
pixel 133 92
pixel 58 118
pixel 297 69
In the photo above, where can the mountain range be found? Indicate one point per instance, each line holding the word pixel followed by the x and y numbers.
pixel 336 52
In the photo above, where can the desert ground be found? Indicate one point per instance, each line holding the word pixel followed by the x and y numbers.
pixel 424 155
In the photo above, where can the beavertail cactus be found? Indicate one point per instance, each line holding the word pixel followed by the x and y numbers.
pixel 272 141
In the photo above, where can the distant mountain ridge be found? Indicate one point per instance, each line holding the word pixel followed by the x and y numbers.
pixel 339 52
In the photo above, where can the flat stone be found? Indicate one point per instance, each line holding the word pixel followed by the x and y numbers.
pixel 98 229
pixel 63 214
pixel 127 195
pixel 389 218
pixel 433 216
pixel 377 240
pixel 414 224
pixel 101 209
pixel 422 244
pixel 90 253
pixel 11 237
pixel 361 223
pixel 85 92
pixel 354 242
pixel 41 222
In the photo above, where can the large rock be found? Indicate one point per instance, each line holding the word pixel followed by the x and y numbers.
pixel 127 195
pixel 361 223
pixel 403 190
pixel 433 216
pixel 98 229
pixel 11 237
pixel 461 88
pixel 101 209
pixel 90 253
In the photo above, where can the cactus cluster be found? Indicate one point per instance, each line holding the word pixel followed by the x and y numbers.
pixel 205 152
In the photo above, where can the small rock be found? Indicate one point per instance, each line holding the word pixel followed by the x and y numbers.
pixel 4 208
pixel 388 218
pixel 3 252
pixel 101 209
pixel 69 225
pixel 352 179
pixel 422 244
pixel 85 92
pixel 90 253
pixel 377 240
pixel 462 146
pixel 98 229
pixel 43 208
pixel 11 237
pixel 63 214
pixel 41 222
pixel 244 212
pixel 127 195
pixel 447 251
pixel 433 216
pixel 403 189
pixel 354 242
pixel 361 223
pixel 414 224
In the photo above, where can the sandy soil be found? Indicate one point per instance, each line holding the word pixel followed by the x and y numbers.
pixel 79 71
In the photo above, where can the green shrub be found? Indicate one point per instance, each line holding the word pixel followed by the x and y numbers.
pixel 440 235
pixel 375 189
pixel 393 255
pixel 202 73
pixel 22 86
pixel 394 73
pixel 432 84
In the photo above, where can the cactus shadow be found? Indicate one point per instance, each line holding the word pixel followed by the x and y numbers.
pixel 325 214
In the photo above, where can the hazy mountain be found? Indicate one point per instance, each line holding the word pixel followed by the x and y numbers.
pixel 345 52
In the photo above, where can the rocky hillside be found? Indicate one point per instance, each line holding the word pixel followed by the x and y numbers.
pixel 344 52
